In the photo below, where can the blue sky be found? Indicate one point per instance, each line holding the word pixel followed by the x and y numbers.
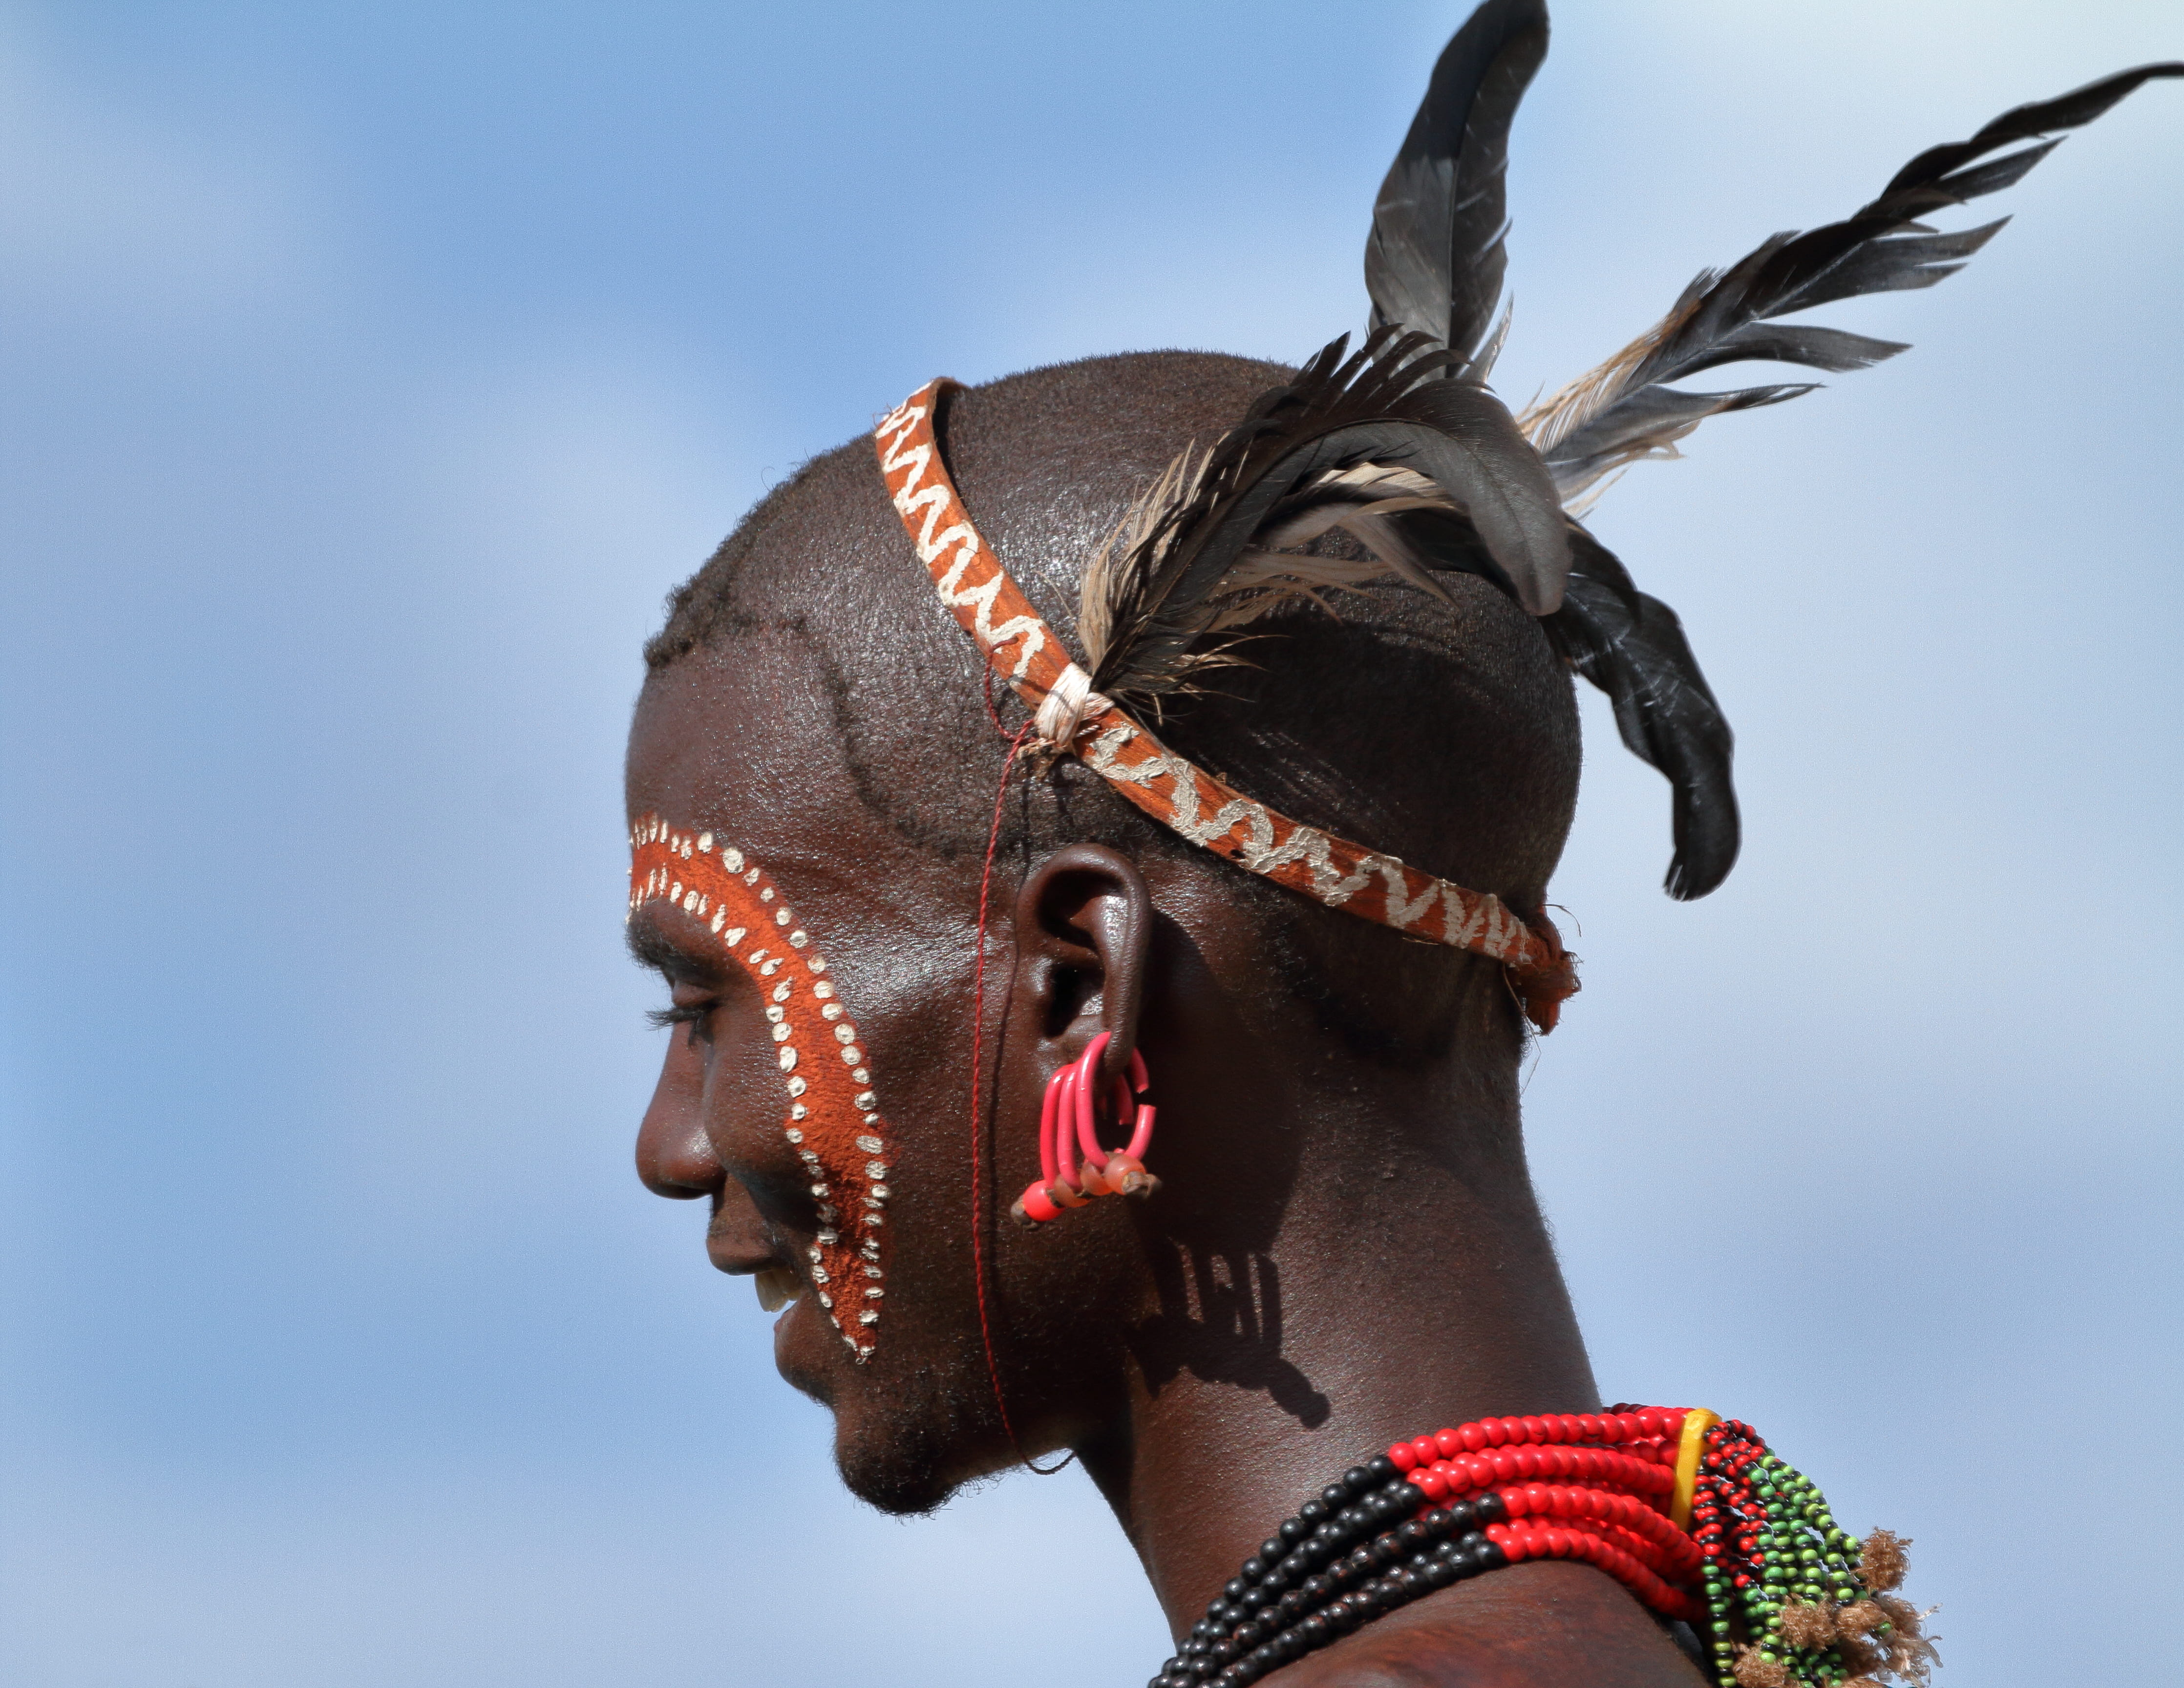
pixel 368 374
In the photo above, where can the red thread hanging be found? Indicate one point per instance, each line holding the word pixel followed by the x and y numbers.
pixel 978 1076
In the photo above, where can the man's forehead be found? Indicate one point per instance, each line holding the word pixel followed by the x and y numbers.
pixel 745 738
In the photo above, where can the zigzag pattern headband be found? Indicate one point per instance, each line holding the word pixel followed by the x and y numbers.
pixel 1073 718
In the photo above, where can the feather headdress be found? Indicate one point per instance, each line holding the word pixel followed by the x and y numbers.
pixel 1372 437
pixel 1403 448
pixel 1400 447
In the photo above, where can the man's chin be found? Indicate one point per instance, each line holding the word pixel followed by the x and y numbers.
pixel 898 1490
pixel 906 1434
pixel 902 1453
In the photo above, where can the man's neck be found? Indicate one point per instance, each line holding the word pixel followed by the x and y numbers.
pixel 1400 1292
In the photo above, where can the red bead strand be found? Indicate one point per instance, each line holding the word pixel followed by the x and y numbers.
pixel 1599 1488
pixel 1595 1487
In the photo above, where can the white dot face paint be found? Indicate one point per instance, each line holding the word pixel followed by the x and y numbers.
pixel 830 1112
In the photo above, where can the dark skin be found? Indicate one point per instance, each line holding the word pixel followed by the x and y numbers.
pixel 1340 1254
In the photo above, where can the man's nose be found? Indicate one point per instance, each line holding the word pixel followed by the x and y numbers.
pixel 674 1157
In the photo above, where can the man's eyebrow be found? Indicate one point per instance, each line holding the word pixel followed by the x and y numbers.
pixel 649 947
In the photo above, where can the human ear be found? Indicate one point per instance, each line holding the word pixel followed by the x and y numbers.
pixel 1084 927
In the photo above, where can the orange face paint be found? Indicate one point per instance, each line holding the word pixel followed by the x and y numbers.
pixel 831 1103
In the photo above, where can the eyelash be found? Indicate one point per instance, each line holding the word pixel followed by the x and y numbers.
pixel 681 1014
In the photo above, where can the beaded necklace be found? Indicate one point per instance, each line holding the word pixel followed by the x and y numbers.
pixel 1693 1513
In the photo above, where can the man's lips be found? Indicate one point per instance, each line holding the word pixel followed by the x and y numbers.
pixel 778 1285
pixel 742 1245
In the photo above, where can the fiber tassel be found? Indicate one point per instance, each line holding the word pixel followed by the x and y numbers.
pixel 1882 1563
pixel 1754 1672
pixel 1808 1627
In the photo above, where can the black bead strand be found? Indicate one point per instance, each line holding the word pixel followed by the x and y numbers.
pixel 1361 1546
pixel 1242 1637
pixel 1456 1559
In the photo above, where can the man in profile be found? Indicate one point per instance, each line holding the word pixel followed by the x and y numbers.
pixel 993 792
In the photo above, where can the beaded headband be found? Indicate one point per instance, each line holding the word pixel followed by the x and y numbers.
pixel 1071 718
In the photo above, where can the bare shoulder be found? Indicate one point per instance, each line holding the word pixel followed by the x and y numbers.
pixel 1528 1627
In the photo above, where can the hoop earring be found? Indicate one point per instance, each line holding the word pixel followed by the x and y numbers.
pixel 1068 1123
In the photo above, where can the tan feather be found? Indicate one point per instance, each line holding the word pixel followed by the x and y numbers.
pixel 1391 482
pixel 1272 574
pixel 1122 557
pixel 1547 424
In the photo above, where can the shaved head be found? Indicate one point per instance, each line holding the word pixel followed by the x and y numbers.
pixel 811 701
pixel 1444 735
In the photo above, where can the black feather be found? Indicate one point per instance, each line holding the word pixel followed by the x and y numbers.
pixel 1633 648
pixel 1384 406
pixel 1435 260
pixel 1620 412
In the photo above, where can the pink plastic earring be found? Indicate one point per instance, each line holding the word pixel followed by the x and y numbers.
pixel 1068 1123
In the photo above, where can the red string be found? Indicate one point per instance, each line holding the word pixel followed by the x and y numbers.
pixel 978 1074
pixel 992 714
